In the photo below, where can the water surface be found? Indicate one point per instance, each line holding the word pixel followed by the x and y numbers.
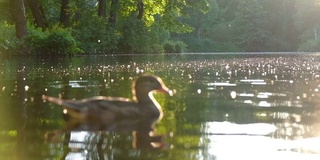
pixel 226 106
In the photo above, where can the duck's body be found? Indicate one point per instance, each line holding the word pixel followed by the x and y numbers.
pixel 112 109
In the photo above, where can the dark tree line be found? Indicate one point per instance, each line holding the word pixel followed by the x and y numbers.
pixel 140 26
pixel 104 26
pixel 255 25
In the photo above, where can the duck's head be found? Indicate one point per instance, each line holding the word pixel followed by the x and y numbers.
pixel 145 84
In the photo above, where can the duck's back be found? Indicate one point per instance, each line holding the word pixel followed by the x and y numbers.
pixel 102 108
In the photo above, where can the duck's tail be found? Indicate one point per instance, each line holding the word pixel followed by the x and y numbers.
pixel 55 100
pixel 70 107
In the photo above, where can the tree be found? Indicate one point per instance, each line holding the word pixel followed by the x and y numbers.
pixel 114 8
pixel 102 8
pixel 290 31
pixel 6 7
pixel 144 25
pixel 140 6
pixel 280 18
pixel 250 26
pixel 37 12
pixel 20 19
pixel 308 25
pixel 65 13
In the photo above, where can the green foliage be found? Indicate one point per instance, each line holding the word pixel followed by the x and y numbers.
pixel 54 42
pixel 199 45
pixel 207 45
pixel 95 36
pixel 138 38
pixel 225 47
pixel 250 24
pixel 167 26
pixel 169 47
pixel 174 47
pixel 9 43
pixel 5 15
pixel 180 46
pixel 312 45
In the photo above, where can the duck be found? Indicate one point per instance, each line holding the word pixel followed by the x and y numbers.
pixel 115 109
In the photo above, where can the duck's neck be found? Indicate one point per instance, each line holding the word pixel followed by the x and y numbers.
pixel 144 97
pixel 147 100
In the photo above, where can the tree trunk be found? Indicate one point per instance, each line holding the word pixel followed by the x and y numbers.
pixel 102 8
pixel 39 19
pixel 43 16
pixel 113 12
pixel 199 32
pixel 20 19
pixel 65 13
pixel 140 9
pixel 291 30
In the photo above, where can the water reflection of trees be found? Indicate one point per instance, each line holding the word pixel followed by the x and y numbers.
pixel 289 84
pixel 98 140
pixel 292 87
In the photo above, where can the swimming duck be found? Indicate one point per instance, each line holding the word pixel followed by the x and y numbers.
pixel 113 109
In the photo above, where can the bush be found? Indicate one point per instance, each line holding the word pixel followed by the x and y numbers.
pixel 169 47
pixel 311 45
pixel 137 37
pixel 225 47
pixel 199 45
pixel 156 48
pixel 95 36
pixel 9 43
pixel 207 45
pixel 54 42
pixel 180 47
pixel 174 47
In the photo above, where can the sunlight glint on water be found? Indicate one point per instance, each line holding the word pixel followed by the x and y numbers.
pixel 224 107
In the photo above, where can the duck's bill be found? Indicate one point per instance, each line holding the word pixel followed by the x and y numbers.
pixel 167 90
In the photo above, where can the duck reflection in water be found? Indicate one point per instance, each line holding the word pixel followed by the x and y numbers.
pixel 118 114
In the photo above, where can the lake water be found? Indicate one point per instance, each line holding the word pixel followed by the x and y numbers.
pixel 226 106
